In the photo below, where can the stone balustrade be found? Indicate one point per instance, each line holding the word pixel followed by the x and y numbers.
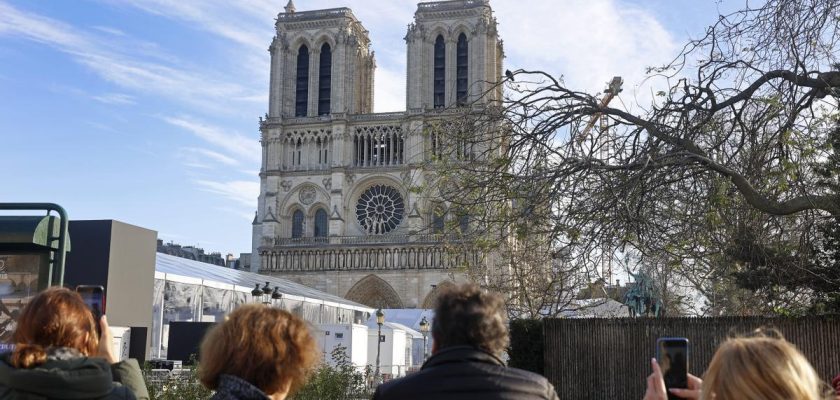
pixel 401 257
pixel 431 239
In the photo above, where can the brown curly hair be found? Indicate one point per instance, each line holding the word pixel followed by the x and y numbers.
pixel 56 317
pixel 266 346
pixel 466 315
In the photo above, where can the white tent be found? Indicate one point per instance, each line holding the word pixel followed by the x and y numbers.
pixel 410 318
pixel 395 347
pixel 188 290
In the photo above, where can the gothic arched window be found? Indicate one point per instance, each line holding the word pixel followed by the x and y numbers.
pixel 322 228
pixel 438 220
pixel 296 153
pixel 324 80
pixel 302 88
pixel 461 71
pixel 440 73
pixel 464 222
pixel 297 224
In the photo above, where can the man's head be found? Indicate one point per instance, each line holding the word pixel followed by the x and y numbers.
pixel 465 315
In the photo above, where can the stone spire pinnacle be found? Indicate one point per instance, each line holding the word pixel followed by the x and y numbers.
pixel 290 8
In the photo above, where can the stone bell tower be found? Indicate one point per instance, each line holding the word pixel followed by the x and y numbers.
pixel 321 63
pixel 454 54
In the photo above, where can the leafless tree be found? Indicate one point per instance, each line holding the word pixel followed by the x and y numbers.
pixel 726 150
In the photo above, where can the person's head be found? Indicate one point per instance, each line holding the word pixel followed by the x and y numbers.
pixel 268 347
pixel 466 315
pixel 835 383
pixel 759 368
pixel 56 317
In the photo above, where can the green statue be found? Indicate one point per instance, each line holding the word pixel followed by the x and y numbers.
pixel 642 299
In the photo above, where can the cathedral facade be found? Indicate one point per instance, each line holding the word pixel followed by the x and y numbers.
pixel 346 202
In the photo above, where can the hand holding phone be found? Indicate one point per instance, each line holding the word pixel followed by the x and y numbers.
pixel 94 297
pixel 672 355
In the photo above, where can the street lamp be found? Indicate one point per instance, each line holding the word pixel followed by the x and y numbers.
pixel 424 329
pixel 380 319
pixel 257 293
pixel 266 297
pixel 276 297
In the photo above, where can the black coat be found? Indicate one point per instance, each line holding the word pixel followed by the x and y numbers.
pixel 465 373
pixel 77 378
pixel 235 388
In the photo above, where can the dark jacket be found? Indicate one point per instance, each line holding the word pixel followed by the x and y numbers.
pixel 77 378
pixel 235 388
pixel 465 373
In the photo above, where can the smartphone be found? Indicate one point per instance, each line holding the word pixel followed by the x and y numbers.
pixel 672 355
pixel 94 297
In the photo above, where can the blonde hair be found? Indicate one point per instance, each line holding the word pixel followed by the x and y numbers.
pixel 761 368
pixel 268 347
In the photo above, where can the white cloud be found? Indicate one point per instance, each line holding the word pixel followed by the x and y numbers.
pixel 223 18
pixel 200 156
pixel 38 28
pixel 389 90
pixel 114 98
pixel 109 30
pixel 244 193
pixel 171 82
pixel 242 213
pixel 586 41
pixel 232 143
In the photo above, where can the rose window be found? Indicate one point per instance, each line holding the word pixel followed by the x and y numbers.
pixel 380 209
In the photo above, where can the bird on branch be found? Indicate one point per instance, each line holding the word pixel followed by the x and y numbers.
pixel 509 75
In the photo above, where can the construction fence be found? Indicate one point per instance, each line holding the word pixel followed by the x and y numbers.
pixel 610 358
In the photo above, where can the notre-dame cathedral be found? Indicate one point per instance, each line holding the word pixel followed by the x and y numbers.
pixel 345 205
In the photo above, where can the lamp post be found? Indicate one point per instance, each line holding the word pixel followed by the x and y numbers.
pixel 257 293
pixel 276 297
pixel 266 297
pixel 424 329
pixel 380 319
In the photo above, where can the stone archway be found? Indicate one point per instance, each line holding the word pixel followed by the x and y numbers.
pixel 373 291
pixel 431 298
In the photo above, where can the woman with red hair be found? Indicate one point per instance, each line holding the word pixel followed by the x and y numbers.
pixel 58 354
pixel 258 353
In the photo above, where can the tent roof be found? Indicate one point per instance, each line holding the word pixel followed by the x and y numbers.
pixel 220 277
pixel 410 317
pixel 407 319
pixel 394 326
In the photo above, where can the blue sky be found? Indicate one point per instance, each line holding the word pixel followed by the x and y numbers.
pixel 146 111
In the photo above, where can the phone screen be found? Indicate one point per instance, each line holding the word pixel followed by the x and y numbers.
pixel 672 354
pixel 94 297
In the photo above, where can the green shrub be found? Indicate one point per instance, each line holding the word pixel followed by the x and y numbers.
pixel 341 382
pixel 526 345
pixel 175 386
